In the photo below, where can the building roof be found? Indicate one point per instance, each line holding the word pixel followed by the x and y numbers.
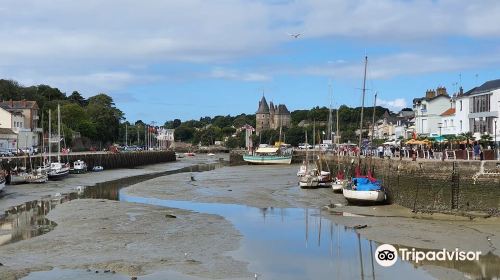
pixel 282 110
pixel 18 104
pixel 449 112
pixel 417 100
pixel 487 86
pixel 6 131
pixel 263 107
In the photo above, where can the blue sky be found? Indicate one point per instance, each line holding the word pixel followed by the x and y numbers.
pixel 187 59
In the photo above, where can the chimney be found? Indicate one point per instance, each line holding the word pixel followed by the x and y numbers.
pixel 461 91
pixel 441 91
pixel 430 94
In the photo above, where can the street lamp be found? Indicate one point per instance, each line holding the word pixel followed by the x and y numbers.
pixel 440 125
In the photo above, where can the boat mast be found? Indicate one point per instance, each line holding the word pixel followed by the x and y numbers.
pixel 50 136
pixel 373 118
pixel 329 129
pixel 126 134
pixel 362 111
pixel 58 133
pixel 337 134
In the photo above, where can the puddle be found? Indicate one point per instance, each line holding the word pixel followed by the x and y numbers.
pixel 291 243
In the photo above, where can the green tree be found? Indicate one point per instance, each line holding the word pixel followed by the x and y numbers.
pixel 184 133
pixel 102 111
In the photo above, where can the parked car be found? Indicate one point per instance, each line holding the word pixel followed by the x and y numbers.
pixel 305 146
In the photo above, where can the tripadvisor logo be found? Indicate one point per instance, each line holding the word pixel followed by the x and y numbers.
pixel 387 255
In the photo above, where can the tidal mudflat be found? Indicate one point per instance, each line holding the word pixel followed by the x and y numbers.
pixel 238 223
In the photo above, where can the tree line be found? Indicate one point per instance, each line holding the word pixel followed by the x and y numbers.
pixel 207 130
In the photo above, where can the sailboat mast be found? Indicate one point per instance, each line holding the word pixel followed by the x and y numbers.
pixel 337 134
pixel 50 135
pixel 329 130
pixel 126 134
pixel 362 108
pixel 373 117
pixel 58 133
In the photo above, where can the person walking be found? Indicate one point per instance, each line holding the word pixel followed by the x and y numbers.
pixel 477 150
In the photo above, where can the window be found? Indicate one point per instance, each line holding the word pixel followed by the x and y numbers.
pixel 460 126
pixel 481 103
pixel 460 105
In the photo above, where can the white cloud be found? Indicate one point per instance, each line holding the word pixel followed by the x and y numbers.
pixel 392 65
pixel 62 41
pixel 221 73
pixel 394 105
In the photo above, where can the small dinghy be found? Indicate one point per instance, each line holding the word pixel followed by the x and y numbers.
pixel 98 168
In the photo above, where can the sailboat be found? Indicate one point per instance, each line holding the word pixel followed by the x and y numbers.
pixel 310 179
pixel 57 170
pixel 363 189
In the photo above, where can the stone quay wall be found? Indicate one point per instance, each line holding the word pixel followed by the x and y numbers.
pixel 426 185
pixel 108 161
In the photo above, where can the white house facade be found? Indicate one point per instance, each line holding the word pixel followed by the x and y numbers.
pixel 428 110
pixel 483 109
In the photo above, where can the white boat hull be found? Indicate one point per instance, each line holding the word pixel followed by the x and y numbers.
pixel 268 159
pixel 2 184
pixel 309 182
pixel 16 179
pixel 337 187
pixel 363 196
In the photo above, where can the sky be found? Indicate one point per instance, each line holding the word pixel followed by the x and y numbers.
pixel 187 59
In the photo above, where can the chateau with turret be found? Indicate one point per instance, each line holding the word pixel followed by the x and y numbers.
pixel 271 116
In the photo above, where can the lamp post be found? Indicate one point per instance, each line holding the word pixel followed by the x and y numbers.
pixel 496 150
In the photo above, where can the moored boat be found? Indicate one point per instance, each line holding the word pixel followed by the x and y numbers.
pixel 269 155
pixel 364 190
pixel 58 171
pixel 79 167
pixel 98 168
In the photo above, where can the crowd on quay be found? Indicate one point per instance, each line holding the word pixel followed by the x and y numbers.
pixel 440 151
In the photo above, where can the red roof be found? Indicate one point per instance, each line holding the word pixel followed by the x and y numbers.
pixel 449 112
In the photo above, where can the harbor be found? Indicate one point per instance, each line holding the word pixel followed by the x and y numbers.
pixel 199 218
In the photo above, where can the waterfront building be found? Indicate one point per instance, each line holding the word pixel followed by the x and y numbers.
pixel 22 118
pixel 479 109
pixel 428 110
pixel 165 138
pixel 270 116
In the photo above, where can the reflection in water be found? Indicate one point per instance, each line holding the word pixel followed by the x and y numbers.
pixel 273 243
pixel 28 220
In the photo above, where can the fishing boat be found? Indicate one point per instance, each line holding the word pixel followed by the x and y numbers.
pixel 79 167
pixel 58 170
pixel 269 155
pixel 363 189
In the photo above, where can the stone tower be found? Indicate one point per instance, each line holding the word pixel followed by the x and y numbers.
pixel 262 116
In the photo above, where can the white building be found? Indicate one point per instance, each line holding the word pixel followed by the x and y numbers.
pixel 428 110
pixel 22 118
pixel 482 108
pixel 462 112
pixel 165 138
